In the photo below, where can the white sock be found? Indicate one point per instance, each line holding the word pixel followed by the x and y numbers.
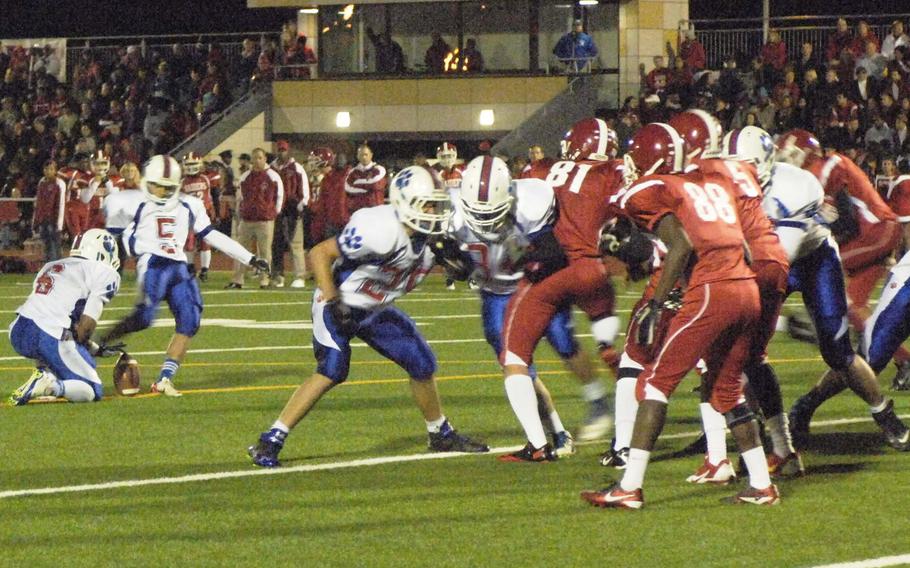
pixel 434 426
pixel 205 258
pixel 556 422
pixel 880 407
pixel 595 390
pixel 77 391
pixel 781 441
pixel 715 431
pixel 757 466
pixel 281 427
pixel 523 399
pixel 626 409
pixel 635 469
pixel 190 257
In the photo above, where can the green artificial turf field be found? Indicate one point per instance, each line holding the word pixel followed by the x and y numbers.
pixel 254 348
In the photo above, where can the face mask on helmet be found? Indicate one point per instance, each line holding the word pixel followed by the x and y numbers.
pixel 192 166
pixel 101 167
pixel 161 181
pixel 420 204
pixel 98 245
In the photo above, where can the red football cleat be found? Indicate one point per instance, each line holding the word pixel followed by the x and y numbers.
pixel 753 496
pixel 790 466
pixel 531 454
pixel 615 497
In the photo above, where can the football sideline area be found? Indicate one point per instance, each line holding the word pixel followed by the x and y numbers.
pixel 150 480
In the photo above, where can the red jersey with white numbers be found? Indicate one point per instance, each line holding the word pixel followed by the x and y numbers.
pixel 839 173
pixel 707 213
pixel 200 186
pixel 451 178
pixel 757 228
pixel 583 191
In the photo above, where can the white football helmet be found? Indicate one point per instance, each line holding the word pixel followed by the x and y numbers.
pixel 101 164
pixel 192 164
pixel 486 195
pixel 751 144
pixel 447 154
pixel 164 172
pixel 97 244
pixel 422 203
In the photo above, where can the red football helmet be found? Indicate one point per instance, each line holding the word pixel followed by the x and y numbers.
pixel 192 164
pixel 701 131
pixel 447 154
pixel 656 148
pixel 321 157
pixel 590 139
pixel 794 146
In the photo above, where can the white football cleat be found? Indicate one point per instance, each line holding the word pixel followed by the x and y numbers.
pixel 165 387
pixel 720 474
pixel 278 282
pixel 298 283
pixel 595 427
pixel 40 384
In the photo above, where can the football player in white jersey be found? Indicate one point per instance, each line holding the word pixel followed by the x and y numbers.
pixel 793 199
pixel 159 218
pixel 381 255
pixel 494 221
pixel 54 324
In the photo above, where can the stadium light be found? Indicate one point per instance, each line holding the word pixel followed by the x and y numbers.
pixel 487 118
pixel 587 2
pixel 343 119
pixel 309 10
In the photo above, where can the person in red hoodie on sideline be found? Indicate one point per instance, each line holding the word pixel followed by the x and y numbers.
pixel 289 225
pixel 365 184
pixel 259 201
pixel 50 199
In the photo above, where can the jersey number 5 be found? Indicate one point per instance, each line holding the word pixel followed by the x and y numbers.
pixel 711 202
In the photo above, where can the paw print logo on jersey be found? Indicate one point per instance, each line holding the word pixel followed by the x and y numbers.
pixel 350 240
pixel 403 179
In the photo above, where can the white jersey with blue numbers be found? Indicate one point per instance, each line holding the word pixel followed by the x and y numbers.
pixel 494 261
pixel 792 201
pixel 66 289
pixel 378 263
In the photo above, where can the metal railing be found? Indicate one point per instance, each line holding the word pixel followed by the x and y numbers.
pixel 723 38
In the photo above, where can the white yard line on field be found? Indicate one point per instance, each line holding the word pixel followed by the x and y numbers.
pixel 332 466
pixel 898 560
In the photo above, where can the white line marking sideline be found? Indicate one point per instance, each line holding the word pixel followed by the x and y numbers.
pixel 326 467
pixel 871 562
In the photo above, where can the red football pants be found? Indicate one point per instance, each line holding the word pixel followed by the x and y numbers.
pixel 585 283
pixel 771 278
pixel 715 324
pixel 874 244
pixel 76 219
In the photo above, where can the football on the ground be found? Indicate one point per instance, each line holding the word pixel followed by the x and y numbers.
pixel 126 376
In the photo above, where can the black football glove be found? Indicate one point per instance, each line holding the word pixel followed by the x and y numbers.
pixel 674 300
pixel 545 257
pixel 457 263
pixel 343 316
pixel 647 317
pixel 97 350
pixel 261 265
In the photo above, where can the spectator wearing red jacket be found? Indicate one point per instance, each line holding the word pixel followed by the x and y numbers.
pixel 692 52
pixel 864 34
pixel 289 224
pixel 838 41
pixel 774 53
pixel 259 199
pixel 365 184
pixel 50 199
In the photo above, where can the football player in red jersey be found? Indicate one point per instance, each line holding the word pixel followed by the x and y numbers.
pixel 867 231
pixel 565 268
pixel 694 215
pixel 102 184
pixel 199 184
pixel 701 132
pixel 77 177
pixel 450 173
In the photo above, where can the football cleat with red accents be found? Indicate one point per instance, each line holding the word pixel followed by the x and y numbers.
pixel 615 497
pixel 752 496
pixel 790 466
pixel 531 454
pixel 719 474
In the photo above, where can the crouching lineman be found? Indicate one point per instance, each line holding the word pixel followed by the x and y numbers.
pixel 381 255
pixel 160 219
pixel 494 223
pixel 54 324
pixel 694 216
pixel 792 200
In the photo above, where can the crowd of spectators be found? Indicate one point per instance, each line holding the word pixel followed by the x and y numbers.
pixel 854 93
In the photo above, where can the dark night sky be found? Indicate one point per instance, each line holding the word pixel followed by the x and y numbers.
pixel 74 18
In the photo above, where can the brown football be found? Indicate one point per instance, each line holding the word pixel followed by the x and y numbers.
pixel 126 376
